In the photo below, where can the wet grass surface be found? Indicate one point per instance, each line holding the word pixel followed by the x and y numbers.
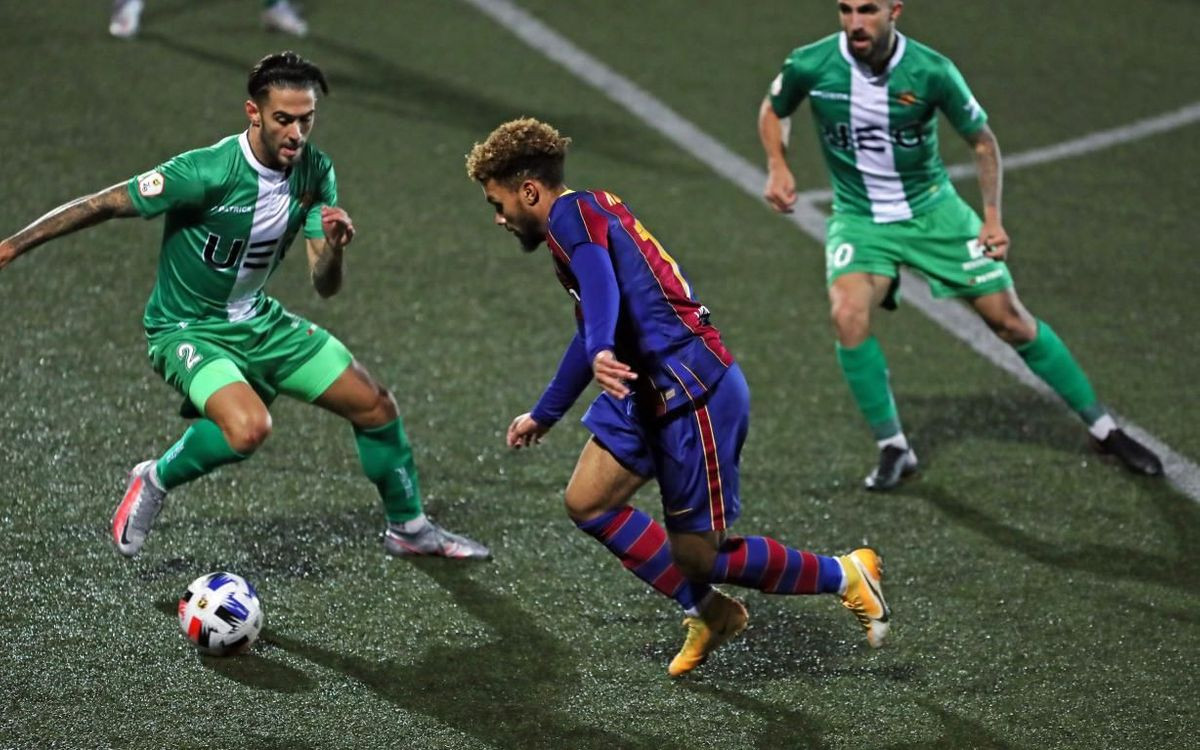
pixel 1042 597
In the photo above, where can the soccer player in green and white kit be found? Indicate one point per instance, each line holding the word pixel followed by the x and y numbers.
pixel 875 95
pixel 232 210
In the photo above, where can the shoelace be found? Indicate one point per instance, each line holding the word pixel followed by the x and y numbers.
pixel 855 606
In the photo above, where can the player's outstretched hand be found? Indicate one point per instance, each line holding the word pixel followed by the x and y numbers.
pixel 338 228
pixel 780 191
pixel 611 374
pixel 994 240
pixel 8 251
pixel 524 431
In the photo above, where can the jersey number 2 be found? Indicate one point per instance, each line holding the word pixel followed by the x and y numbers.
pixel 188 355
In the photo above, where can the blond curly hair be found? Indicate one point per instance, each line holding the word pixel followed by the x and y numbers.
pixel 518 150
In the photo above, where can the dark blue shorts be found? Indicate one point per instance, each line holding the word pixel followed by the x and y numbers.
pixel 693 453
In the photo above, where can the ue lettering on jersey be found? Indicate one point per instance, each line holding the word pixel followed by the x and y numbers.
pixel 878 133
pixel 229 222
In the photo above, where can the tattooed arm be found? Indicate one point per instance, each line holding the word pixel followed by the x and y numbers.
pixel 69 217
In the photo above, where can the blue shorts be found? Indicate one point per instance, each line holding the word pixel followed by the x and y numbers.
pixel 693 453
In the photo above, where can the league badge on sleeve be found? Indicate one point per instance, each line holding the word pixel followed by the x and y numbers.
pixel 150 184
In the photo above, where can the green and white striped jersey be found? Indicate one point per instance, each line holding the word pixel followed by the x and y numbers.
pixel 879 133
pixel 229 222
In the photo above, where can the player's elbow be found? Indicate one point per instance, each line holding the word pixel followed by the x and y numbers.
pixel 767 119
pixel 984 142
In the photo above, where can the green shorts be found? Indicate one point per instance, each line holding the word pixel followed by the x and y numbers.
pixel 274 352
pixel 942 245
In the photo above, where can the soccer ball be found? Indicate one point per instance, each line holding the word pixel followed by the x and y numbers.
pixel 220 614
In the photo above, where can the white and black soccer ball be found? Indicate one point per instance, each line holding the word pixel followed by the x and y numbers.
pixel 220 614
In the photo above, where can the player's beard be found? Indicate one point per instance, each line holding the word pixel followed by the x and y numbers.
pixel 876 51
pixel 275 148
pixel 529 243
pixel 528 234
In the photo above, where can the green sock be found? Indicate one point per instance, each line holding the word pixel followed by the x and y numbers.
pixel 387 460
pixel 1051 360
pixel 867 375
pixel 201 449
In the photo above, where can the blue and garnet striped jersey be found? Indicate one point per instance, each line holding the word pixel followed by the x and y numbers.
pixel 662 330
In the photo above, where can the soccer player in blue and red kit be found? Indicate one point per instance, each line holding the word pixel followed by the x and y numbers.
pixel 674 407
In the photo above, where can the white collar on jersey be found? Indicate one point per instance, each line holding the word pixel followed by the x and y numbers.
pixel 255 164
pixel 865 70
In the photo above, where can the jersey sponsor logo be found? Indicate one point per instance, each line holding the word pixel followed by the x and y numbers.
pixel 975 250
pixel 232 209
pixel 907 98
pixel 150 184
pixel 836 96
pixel 986 277
pixel 842 137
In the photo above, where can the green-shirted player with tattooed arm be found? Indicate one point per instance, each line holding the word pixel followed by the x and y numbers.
pixel 232 210
pixel 875 95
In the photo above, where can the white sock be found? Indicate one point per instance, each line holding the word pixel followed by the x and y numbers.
pixel 695 611
pixel 1102 426
pixel 153 475
pixel 898 440
pixel 413 526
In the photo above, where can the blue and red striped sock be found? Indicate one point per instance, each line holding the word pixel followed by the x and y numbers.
pixel 759 562
pixel 641 544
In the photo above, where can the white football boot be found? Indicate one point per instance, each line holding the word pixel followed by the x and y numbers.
pixel 283 16
pixel 139 507
pixel 432 541
pixel 126 18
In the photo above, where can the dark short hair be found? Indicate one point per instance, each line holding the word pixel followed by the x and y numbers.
pixel 284 70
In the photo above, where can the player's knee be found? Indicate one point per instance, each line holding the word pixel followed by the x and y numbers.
pixel 385 406
pixel 582 506
pixel 247 432
pixel 378 411
pixel 850 320
pixel 1013 329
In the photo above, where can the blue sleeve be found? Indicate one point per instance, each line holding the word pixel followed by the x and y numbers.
pixel 599 296
pixel 574 373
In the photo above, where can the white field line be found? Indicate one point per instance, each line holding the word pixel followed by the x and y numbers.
pixel 955 318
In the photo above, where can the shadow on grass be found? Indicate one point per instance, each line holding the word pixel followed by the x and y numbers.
pixel 784 727
pixel 792 728
pixel 783 643
pixel 1016 418
pixel 505 692
pixel 250 669
pixel 1108 561
pixel 381 85
pixel 957 733
pixel 268 546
